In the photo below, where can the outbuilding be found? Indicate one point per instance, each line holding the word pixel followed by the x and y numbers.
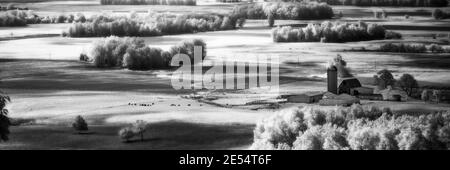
pixel 308 97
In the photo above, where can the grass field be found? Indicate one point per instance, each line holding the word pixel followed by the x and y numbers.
pixel 40 70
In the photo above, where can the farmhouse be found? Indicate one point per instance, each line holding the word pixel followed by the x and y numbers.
pixel 393 94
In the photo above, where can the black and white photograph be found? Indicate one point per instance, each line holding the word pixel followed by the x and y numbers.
pixel 225 75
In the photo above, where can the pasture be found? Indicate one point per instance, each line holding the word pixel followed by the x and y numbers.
pixel 41 72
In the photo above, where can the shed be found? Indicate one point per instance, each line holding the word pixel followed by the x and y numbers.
pixel 346 84
pixel 330 99
pixel 309 97
pixel 361 91
pixel 392 94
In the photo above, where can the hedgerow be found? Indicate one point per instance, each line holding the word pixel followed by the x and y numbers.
pixel 23 17
pixel 149 2
pixel 411 48
pixel 132 53
pixel 359 128
pixel 330 32
pixel 411 3
pixel 102 26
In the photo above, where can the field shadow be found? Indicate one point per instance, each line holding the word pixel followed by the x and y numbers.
pixel 168 135
pixel 433 61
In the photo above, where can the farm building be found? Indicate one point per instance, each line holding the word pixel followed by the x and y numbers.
pixel 309 97
pixel 393 94
pixel 361 91
pixel 346 84
pixel 330 99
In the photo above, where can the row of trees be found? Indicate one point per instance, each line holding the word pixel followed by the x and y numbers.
pixel 331 32
pixel 411 3
pixel 355 128
pixel 102 26
pixel 134 54
pixel 11 6
pixel 412 48
pixel 23 17
pixel 285 10
pixel 149 2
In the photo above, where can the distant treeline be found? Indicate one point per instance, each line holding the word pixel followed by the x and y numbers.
pixel 149 2
pixel 152 25
pixel 410 3
pixel 19 18
pixel 285 10
pixel 333 32
pixel 228 1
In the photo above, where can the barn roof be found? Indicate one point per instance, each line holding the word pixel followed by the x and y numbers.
pixel 351 82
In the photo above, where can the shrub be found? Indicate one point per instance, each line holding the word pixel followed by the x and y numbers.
pixel 126 134
pixel 80 124
pixel 317 117
pixel 435 48
pixel 364 130
pixel 411 139
pixel 392 35
pixel 136 129
pixel 332 32
pixel 61 19
pixel 80 18
pixel 4 119
pixel 187 47
pixel 310 140
pixel 335 138
pixel 363 138
pixel 282 127
pixel 439 14
pixel 84 57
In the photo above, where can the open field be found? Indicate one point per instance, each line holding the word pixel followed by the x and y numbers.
pixel 48 86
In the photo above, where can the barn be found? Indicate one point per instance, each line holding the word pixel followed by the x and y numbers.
pixel 345 85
